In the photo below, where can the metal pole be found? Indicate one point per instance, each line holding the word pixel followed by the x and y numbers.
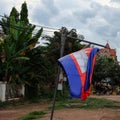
pixel 63 38
pixel 55 93
pixel 86 41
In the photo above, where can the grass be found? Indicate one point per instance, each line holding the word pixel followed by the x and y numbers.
pixel 32 115
pixel 90 103
pixel 11 104
pixel 20 103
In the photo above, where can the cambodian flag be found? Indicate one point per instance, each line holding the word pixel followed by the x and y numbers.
pixel 78 67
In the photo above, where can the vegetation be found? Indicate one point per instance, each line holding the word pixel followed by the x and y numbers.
pixel 36 67
pixel 17 42
pixel 106 77
pixel 33 115
pixel 90 103
pixel 17 61
pixel 53 51
pixel 42 70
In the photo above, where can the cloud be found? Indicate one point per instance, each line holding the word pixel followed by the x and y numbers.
pixel 5 7
pixel 44 13
pixel 98 21
pixel 117 1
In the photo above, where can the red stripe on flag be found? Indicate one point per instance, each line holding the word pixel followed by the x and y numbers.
pixel 81 75
pixel 93 63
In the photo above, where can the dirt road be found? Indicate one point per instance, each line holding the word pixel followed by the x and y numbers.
pixel 66 114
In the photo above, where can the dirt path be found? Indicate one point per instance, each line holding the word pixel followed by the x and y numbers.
pixel 13 114
pixel 66 114
pixel 109 97
pixel 80 114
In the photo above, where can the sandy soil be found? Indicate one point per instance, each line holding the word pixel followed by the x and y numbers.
pixel 66 114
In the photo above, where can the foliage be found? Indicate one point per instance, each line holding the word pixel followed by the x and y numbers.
pixel 54 43
pixel 115 74
pixel 24 13
pixel 15 13
pixel 17 42
pixel 52 53
pixel 106 77
pixel 42 71
pixel 39 75
pixel 106 67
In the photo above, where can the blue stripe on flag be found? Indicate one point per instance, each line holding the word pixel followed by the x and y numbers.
pixel 73 76
pixel 90 67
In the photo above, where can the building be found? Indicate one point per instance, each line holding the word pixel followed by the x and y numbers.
pixel 107 51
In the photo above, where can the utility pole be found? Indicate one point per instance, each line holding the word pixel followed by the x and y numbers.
pixel 63 39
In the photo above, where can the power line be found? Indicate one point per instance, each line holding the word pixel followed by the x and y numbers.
pixel 48 31
pixel 25 29
pixel 17 28
pixel 46 27
pixel 14 26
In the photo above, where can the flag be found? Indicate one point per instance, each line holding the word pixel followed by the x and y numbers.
pixel 78 67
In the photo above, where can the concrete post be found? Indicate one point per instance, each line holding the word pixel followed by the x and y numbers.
pixel 23 90
pixel 2 91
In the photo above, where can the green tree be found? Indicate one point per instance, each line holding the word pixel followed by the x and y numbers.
pixel 15 13
pixel 106 67
pixel 39 74
pixel 53 48
pixel 115 74
pixel 24 13
pixel 18 41
pixel 54 43
pixel 16 44
pixel 5 21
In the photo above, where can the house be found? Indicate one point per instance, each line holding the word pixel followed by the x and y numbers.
pixel 107 51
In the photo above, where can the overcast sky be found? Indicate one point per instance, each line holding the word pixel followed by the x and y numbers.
pixel 97 20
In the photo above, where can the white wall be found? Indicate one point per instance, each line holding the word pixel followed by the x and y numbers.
pixel 2 91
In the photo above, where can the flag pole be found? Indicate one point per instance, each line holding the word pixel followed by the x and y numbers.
pixel 63 39
pixel 82 40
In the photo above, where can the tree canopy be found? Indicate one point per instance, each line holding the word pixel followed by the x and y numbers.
pixel 17 42
pixel 106 67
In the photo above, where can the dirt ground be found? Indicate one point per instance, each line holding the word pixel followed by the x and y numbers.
pixel 78 114
pixel 66 114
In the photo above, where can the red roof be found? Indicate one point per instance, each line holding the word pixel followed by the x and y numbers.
pixel 109 51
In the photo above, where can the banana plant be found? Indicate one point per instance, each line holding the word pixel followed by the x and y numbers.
pixel 13 49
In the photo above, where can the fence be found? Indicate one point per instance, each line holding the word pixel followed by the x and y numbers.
pixel 11 91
